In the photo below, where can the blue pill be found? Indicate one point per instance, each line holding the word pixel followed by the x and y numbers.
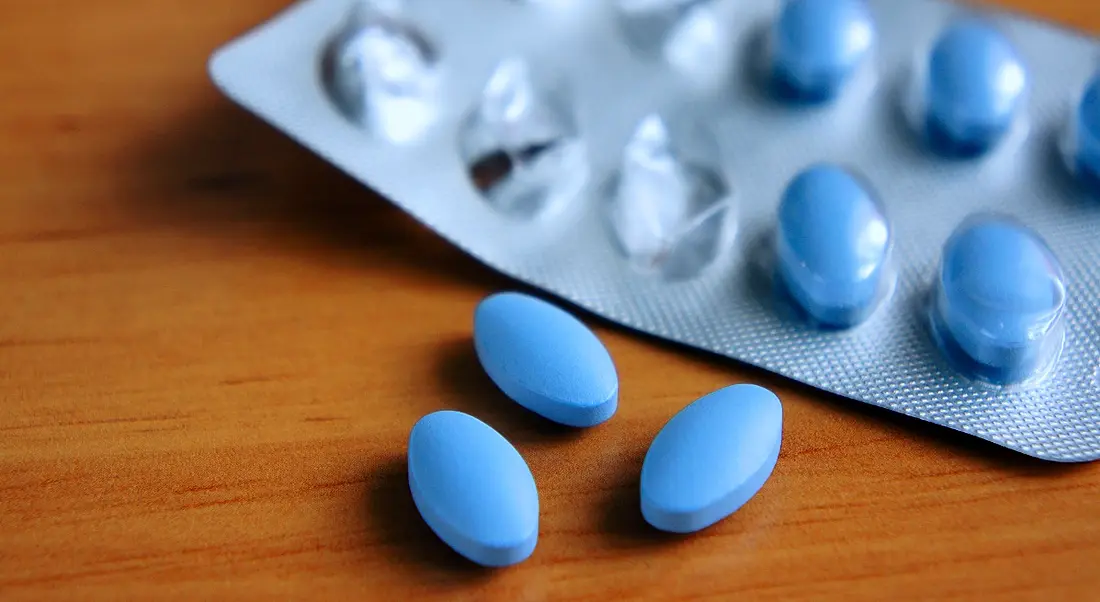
pixel 818 44
pixel 1087 152
pixel 832 242
pixel 545 359
pixel 1001 294
pixel 473 489
pixel 976 83
pixel 711 458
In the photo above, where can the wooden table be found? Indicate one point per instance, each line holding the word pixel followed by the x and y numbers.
pixel 213 345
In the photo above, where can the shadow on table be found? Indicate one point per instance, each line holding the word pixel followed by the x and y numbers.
pixel 225 174
pixel 623 524
pixel 408 542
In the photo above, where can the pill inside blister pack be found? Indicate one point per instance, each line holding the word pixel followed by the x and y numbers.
pixel 889 201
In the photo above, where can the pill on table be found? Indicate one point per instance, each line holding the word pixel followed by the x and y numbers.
pixel 975 85
pixel 711 458
pixel 473 489
pixel 1000 295
pixel 545 359
pixel 1087 133
pixel 832 242
pixel 818 44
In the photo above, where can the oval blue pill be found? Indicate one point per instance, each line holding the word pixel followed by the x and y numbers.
pixel 545 359
pixel 711 458
pixel 832 243
pixel 976 83
pixel 1001 294
pixel 1087 124
pixel 818 44
pixel 473 489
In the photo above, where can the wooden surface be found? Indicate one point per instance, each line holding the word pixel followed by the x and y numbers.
pixel 213 345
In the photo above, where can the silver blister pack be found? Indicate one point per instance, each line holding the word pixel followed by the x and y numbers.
pixel 637 158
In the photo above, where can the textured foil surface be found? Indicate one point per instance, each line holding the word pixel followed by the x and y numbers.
pixel 891 361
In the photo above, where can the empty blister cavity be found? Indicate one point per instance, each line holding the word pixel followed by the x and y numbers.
pixel 521 144
pixel 833 242
pixel 817 46
pixel 668 213
pixel 1081 144
pixel 381 73
pixel 999 300
pixel 699 45
pixel 653 27
pixel 968 91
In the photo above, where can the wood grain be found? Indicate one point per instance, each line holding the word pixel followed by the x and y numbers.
pixel 213 345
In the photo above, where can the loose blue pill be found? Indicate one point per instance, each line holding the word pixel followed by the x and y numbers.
pixel 1001 294
pixel 1087 118
pixel 473 489
pixel 711 458
pixel 832 242
pixel 818 44
pixel 975 86
pixel 545 359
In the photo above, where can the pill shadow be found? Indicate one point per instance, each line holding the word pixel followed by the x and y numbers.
pixel 225 174
pixel 392 521
pixel 626 528
pixel 622 521
pixel 470 390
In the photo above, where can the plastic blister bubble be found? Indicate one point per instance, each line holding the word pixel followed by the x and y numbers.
pixel 381 72
pixel 833 243
pixel 520 143
pixel 816 47
pixel 999 299
pixel 968 89
pixel 666 212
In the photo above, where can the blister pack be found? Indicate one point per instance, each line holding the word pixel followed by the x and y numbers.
pixel 890 201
